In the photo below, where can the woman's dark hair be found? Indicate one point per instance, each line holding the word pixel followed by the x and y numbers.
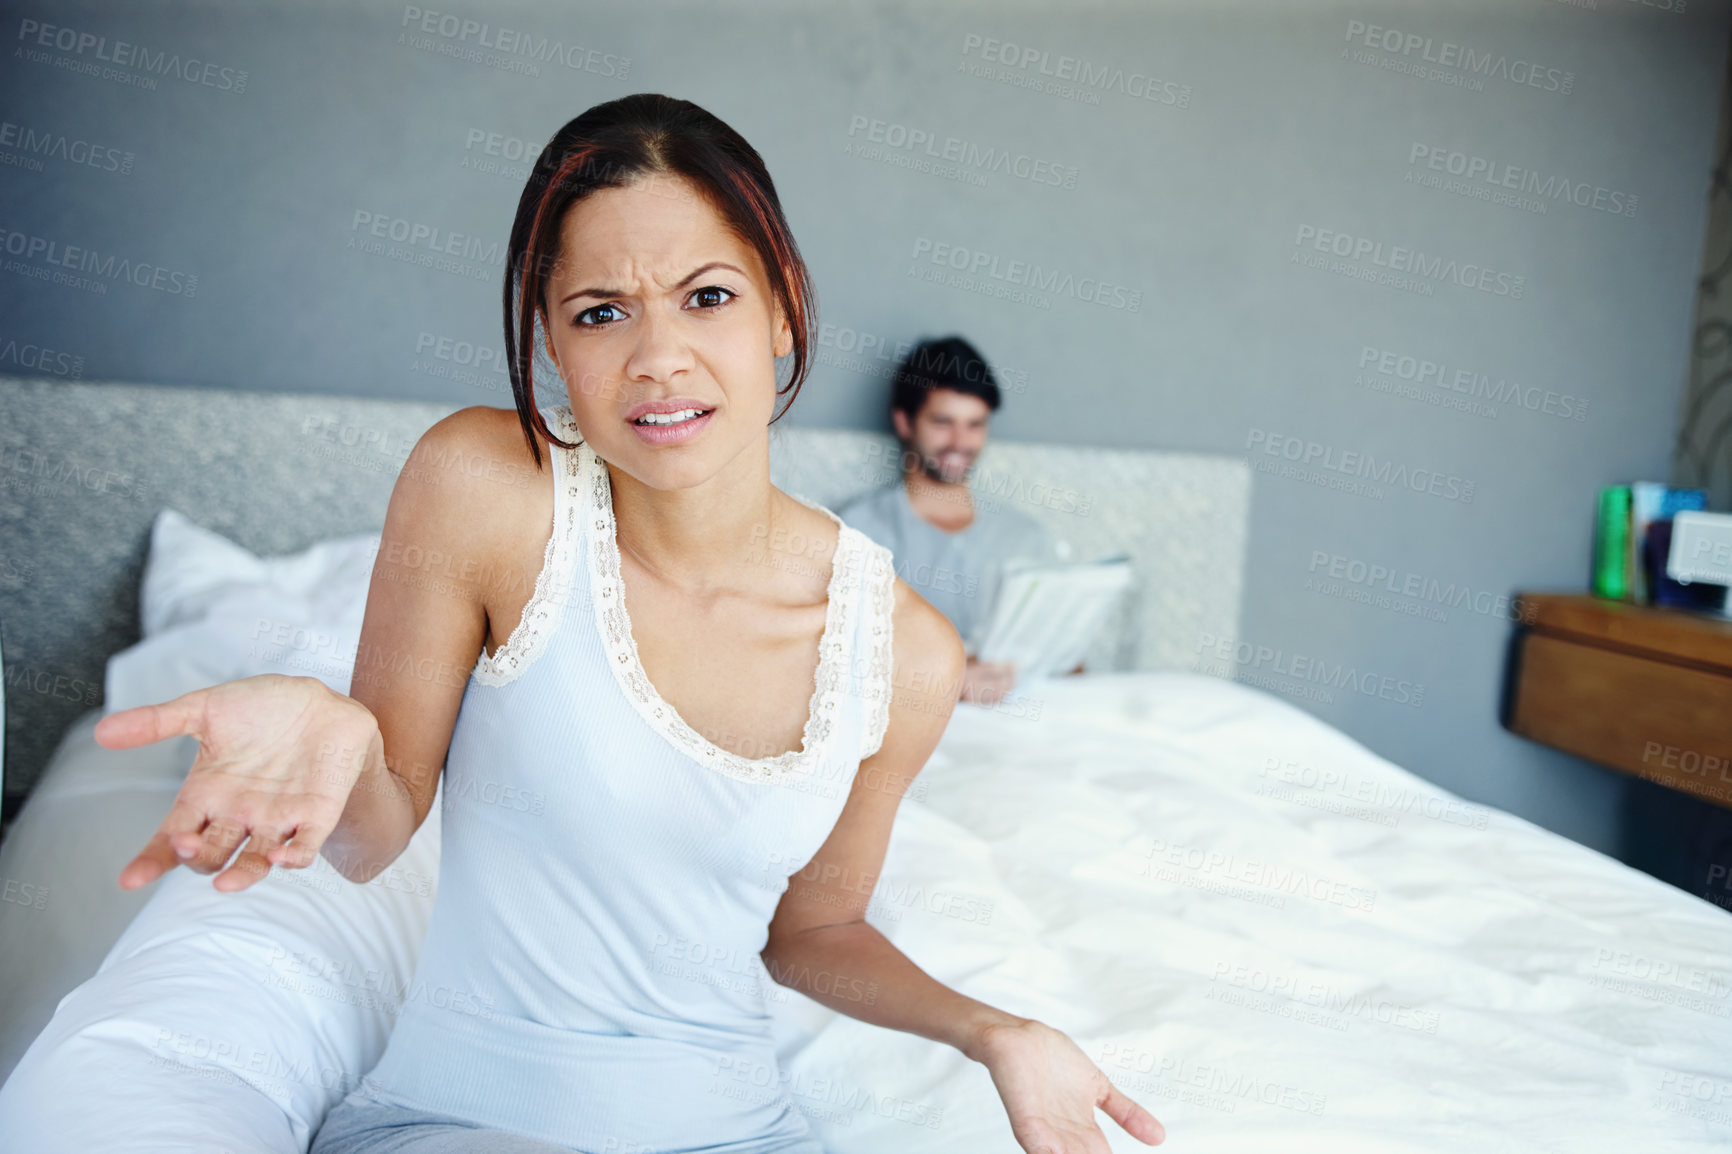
pixel 945 363
pixel 609 146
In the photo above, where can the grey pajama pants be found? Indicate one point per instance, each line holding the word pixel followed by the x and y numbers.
pixel 359 1125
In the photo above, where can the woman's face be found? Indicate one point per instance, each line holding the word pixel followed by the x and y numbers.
pixel 657 309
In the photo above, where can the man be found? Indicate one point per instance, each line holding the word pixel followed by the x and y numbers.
pixel 950 548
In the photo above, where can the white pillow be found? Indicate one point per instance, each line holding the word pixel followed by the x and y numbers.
pixel 228 1021
pixel 212 611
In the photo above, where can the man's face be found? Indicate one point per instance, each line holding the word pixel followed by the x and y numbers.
pixel 946 435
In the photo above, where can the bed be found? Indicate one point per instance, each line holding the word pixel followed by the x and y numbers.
pixel 1268 935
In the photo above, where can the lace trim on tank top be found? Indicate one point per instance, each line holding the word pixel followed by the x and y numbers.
pixel 877 686
pixel 546 603
pixel 613 622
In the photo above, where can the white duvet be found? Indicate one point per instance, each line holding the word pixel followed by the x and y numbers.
pixel 1267 935
pixel 1276 940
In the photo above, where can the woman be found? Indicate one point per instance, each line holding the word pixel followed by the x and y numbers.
pixel 644 755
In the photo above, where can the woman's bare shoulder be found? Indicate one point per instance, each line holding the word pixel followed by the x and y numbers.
pixel 478 442
pixel 926 653
pixel 476 455
pixel 472 488
pixel 926 665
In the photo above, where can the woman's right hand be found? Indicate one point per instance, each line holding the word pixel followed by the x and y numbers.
pixel 278 757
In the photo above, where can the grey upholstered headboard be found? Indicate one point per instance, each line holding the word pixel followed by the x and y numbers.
pixel 84 468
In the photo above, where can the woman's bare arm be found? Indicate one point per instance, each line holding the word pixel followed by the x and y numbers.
pixel 292 769
pixel 467 498
pixel 819 937
pixel 820 943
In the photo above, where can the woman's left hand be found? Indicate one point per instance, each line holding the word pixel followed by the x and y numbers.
pixel 1051 1089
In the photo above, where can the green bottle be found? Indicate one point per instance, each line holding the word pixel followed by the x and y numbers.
pixel 1612 544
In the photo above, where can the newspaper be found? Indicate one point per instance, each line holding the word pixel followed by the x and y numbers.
pixel 1046 616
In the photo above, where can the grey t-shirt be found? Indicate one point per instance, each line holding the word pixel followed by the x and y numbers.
pixel 958 572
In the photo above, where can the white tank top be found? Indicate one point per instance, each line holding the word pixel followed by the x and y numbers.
pixel 591 973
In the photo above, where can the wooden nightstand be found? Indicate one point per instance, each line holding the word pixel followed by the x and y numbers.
pixel 1636 688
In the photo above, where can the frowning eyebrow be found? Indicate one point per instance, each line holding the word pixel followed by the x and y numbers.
pixel 686 280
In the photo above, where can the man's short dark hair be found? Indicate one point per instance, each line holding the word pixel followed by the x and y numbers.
pixel 945 363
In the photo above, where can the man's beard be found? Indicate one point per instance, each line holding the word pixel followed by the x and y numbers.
pixel 933 470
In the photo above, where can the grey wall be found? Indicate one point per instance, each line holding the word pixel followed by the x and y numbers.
pixel 1225 142
pixel 1703 455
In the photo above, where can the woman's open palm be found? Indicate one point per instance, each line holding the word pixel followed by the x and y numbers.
pixel 278 757
pixel 1051 1092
